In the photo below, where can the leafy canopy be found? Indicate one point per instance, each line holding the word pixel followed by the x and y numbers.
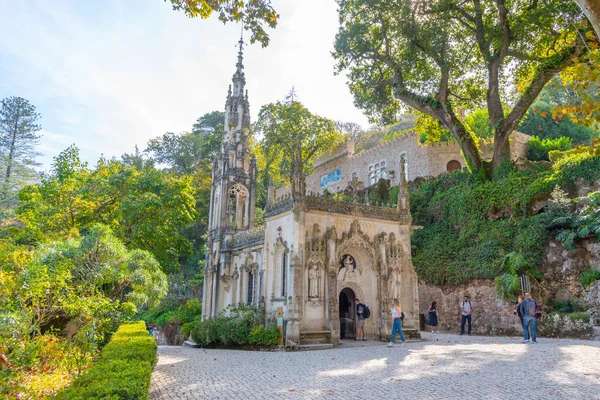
pixel 442 55
pixel 255 15
pixel 292 135
pixel 145 207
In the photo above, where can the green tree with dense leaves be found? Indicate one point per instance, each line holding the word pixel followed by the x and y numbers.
pixel 146 208
pixel 255 15
pixel 292 136
pixel 191 155
pixel 539 122
pixel 18 138
pixel 440 55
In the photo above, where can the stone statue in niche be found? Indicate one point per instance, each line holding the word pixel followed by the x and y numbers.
pixel 348 267
pixel 394 289
pixel 313 282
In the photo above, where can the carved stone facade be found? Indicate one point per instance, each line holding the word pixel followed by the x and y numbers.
pixel 312 257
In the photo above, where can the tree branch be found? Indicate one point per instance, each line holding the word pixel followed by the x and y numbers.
pixel 545 72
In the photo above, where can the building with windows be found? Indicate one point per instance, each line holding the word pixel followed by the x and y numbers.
pixel 335 170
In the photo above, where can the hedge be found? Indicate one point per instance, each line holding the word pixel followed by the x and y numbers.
pixel 123 370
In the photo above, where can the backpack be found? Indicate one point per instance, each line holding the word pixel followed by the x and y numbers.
pixel 366 312
pixel 530 308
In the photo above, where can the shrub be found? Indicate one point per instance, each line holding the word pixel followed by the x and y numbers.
pixel 264 336
pixel 123 370
pixel 590 276
pixel 236 325
pixel 537 149
pixel 579 316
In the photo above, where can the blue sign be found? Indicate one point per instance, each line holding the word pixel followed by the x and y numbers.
pixel 332 177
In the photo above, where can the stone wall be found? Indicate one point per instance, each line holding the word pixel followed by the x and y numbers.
pixel 493 316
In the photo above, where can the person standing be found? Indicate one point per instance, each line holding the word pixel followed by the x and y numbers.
pixel 432 313
pixel 360 323
pixel 517 310
pixel 528 309
pixel 466 308
pixel 396 323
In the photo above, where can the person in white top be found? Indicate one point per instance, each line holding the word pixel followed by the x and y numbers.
pixel 466 308
pixel 397 322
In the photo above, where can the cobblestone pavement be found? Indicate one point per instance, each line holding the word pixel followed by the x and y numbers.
pixel 443 366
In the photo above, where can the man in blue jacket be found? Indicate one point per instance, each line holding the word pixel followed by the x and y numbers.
pixel 528 309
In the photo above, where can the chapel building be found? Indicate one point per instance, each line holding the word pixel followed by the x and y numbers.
pixel 313 255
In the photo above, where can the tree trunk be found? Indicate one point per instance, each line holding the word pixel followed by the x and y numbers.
pixel 11 154
pixel 466 142
pixel 591 9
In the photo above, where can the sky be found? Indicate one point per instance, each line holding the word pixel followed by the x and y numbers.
pixel 110 75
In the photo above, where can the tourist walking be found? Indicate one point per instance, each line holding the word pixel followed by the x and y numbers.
pixel 517 310
pixel 466 308
pixel 396 323
pixel 360 323
pixel 432 313
pixel 528 309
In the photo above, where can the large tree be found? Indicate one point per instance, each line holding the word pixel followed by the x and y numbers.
pixel 293 136
pixel 441 55
pixel 254 15
pixel 145 208
pixel 18 138
pixel 591 8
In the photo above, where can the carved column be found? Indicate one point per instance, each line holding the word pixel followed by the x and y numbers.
pixel 292 334
pixel 331 286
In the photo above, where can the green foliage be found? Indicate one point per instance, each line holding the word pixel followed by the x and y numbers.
pixel 579 316
pixel 236 325
pixel 538 149
pixel 564 307
pixel 508 286
pixel 539 122
pixel 254 15
pixel 441 56
pixel 478 229
pixel 590 276
pixel 123 370
pixel 582 223
pixel 145 208
pixel 292 135
pixel 264 336
pixel 479 123
pixel 174 310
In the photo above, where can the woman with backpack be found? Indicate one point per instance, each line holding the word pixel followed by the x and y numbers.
pixel 432 313
pixel 397 322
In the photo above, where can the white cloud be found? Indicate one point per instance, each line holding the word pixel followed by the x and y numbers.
pixel 111 75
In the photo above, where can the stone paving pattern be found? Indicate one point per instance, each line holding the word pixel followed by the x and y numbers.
pixel 443 366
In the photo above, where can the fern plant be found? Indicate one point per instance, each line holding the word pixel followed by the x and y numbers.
pixel 581 224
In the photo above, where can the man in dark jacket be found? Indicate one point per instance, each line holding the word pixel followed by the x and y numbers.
pixel 527 308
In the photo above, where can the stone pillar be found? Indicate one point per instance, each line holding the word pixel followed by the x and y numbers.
pixel 333 306
pixel 294 303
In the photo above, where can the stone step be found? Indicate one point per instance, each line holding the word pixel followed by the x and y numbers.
pixel 315 337
pixel 190 343
pixel 318 346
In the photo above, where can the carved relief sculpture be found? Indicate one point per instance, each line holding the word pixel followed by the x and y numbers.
pixel 313 282
pixel 394 289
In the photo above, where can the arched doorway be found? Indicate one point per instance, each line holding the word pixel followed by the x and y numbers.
pixel 453 166
pixel 346 313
